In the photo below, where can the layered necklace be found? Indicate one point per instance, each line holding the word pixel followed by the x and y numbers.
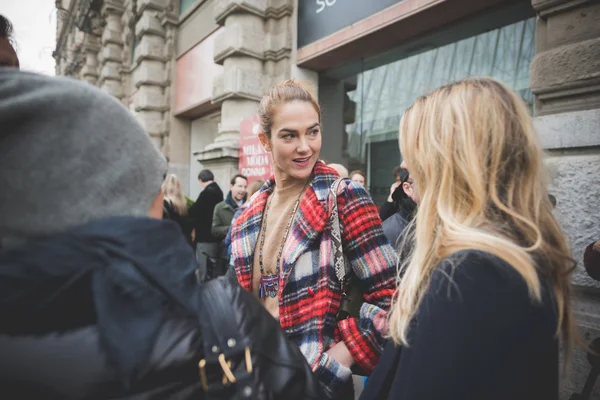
pixel 269 282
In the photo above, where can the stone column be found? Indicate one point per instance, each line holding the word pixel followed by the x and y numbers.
pixel 91 46
pixel 112 48
pixel 279 27
pixel 255 50
pixel 128 20
pixel 565 79
pixel 240 49
pixel 149 75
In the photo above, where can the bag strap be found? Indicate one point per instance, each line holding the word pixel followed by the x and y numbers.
pixel 342 269
pixel 223 341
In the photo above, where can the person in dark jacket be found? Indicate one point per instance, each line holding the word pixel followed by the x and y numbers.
pixel 484 299
pixel 591 260
pixel 201 212
pixel 79 321
pixel 395 225
pixel 98 298
pixel 391 205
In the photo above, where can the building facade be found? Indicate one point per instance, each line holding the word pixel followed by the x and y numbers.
pixel 193 70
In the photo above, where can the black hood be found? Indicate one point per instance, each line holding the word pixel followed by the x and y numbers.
pixel 100 274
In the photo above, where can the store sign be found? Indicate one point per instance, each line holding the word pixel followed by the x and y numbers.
pixel 320 18
pixel 255 163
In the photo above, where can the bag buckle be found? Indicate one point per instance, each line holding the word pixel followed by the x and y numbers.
pixel 228 376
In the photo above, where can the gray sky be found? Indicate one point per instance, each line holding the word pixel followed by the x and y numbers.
pixel 35 32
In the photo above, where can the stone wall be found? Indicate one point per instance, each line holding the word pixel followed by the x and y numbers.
pixel 565 78
pixel 131 55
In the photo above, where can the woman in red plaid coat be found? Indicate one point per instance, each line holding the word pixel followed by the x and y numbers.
pixel 282 246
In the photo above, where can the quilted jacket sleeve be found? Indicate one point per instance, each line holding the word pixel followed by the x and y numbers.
pixel 373 261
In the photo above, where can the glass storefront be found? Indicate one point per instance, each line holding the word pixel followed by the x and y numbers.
pixel 379 96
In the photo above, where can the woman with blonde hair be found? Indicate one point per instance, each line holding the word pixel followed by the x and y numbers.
pixel 174 204
pixel 485 295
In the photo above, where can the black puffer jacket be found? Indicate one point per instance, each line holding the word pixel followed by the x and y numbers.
pixel 83 318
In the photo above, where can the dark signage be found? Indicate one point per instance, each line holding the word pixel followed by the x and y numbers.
pixel 320 18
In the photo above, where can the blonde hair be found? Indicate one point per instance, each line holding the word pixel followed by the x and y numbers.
pixel 283 93
pixel 173 193
pixel 340 169
pixel 473 153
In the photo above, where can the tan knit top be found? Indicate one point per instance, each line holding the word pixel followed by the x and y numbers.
pixel 282 202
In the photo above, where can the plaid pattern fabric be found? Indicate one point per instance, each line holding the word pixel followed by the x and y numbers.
pixel 310 294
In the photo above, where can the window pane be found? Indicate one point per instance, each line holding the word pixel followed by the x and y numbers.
pixel 184 5
pixel 382 94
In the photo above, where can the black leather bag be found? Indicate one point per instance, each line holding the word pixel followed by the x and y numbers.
pixel 215 266
pixel 247 355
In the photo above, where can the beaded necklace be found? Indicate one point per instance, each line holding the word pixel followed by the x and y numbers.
pixel 269 283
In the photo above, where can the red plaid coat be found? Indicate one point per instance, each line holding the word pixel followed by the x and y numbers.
pixel 310 297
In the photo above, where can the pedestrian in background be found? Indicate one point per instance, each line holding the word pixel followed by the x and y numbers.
pixel 486 294
pixel 359 177
pixel 201 212
pixel 340 169
pixel 224 211
pixel 8 55
pixel 174 203
pixel 395 226
pixel 253 187
pixel 283 249
pixel 392 204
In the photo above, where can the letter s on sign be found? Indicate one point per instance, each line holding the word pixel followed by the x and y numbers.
pixel 323 3
pixel 320 3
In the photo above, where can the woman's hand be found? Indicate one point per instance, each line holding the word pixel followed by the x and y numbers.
pixel 392 190
pixel 341 354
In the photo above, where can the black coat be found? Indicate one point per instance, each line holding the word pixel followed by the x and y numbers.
pixel 479 337
pixel 202 213
pixel 111 310
pixel 170 212
pixel 395 225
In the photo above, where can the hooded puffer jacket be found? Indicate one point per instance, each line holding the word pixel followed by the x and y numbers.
pixel 111 310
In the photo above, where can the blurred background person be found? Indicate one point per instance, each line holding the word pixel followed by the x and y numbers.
pixel 359 177
pixel 341 170
pixel 201 213
pixel 392 203
pixel 224 211
pixel 8 55
pixel 486 295
pixel 222 217
pixel 591 260
pixel 394 226
pixel 253 188
pixel 174 203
